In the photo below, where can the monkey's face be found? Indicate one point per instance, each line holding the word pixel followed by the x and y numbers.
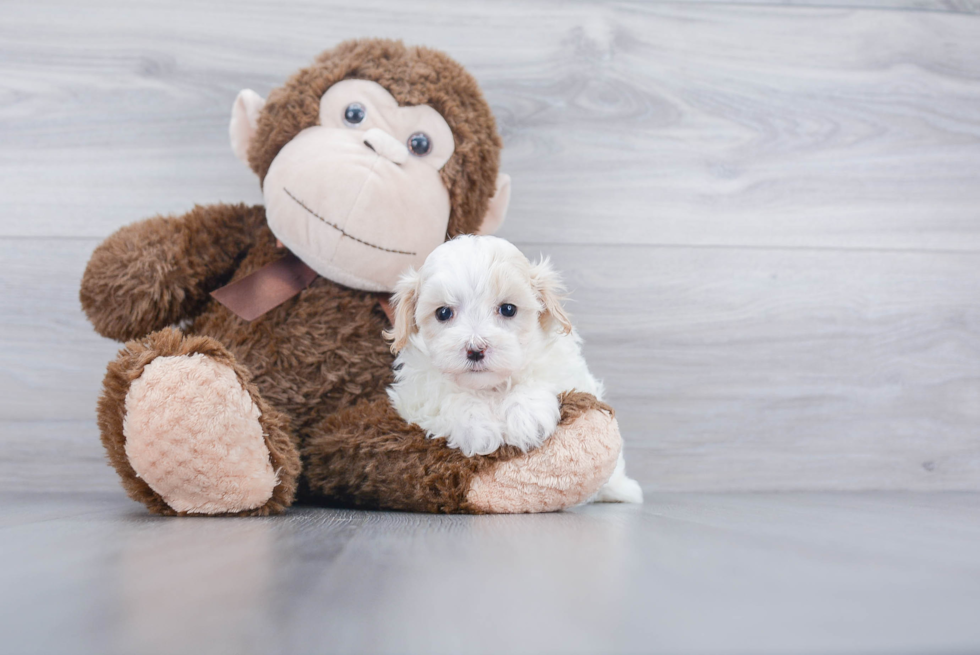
pixel 359 197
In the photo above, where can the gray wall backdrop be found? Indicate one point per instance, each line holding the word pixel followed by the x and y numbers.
pixel 768 213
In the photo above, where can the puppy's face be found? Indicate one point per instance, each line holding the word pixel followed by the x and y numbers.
pixel 479 308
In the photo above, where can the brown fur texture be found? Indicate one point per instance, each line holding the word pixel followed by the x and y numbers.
pixel 316 366
pixel 575 403
pixel 366 457
pixel 159 271
pixel 129 365
pixel 414 76
pixel 311 356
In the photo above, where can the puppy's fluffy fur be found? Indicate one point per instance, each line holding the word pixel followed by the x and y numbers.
pixel 484 348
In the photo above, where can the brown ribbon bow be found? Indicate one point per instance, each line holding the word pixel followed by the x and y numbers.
pixel 272 285
pixel 267 288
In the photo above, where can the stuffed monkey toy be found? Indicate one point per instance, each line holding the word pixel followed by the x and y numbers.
pixel 254 369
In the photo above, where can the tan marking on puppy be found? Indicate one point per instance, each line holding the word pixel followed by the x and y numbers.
pixel 404 300
pixel 548 285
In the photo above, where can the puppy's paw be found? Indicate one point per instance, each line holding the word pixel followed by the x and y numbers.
pixel 530 416
pixel 622 490
pixel 475 433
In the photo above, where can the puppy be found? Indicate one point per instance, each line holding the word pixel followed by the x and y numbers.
pixel 484 348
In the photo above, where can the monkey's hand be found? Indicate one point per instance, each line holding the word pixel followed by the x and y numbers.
pixel 566 470
pixel 154 273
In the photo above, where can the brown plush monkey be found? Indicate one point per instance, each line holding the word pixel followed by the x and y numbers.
pixel 369 159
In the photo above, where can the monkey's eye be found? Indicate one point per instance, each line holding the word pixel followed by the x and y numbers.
pixel 354 113
pixel 508 310
pixel 419 144
pixel 443 314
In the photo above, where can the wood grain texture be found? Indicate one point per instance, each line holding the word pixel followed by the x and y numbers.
pixel 730 368
pixel 686 573
pixel 945 6
pixel 733 125
pixel 793 369
pixel 769 213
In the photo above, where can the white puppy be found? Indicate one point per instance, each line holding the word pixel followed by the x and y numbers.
pixel 484 348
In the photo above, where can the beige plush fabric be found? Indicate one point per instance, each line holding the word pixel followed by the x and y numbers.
pixel 349 200
pixel 585 452
pixel 193 435
pixel 314 366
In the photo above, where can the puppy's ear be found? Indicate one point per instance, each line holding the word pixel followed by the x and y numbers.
pixel 404 299
pixel 548 286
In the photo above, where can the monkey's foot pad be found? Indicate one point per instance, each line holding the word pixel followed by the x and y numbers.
pixel 193 435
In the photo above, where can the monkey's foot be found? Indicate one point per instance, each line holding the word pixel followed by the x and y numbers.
pixel 193 434
pixel 189 434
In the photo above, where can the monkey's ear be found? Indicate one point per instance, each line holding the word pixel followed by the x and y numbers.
pixel 548 286
pixel 244 119
pixel 404 299
pixel 497 209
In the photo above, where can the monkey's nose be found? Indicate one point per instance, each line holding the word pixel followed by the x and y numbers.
pixel 474 355
pixel 386 145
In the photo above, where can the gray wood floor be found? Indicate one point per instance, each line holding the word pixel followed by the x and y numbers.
pixel 769 214
pixel 885 572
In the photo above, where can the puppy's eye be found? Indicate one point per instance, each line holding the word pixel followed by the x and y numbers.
pixel 419 144
pixel 507 310
pixel 443 314
pixel 354 113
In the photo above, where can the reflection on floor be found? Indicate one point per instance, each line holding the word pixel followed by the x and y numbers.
pixel 706 573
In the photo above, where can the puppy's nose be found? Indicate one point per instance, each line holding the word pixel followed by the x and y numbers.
pixel 474 355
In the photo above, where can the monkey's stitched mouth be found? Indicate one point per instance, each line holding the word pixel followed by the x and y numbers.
pixel 341 230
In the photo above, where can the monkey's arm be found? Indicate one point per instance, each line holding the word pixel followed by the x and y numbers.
pixel 367 456
pixel 154 273
pixel 568 469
